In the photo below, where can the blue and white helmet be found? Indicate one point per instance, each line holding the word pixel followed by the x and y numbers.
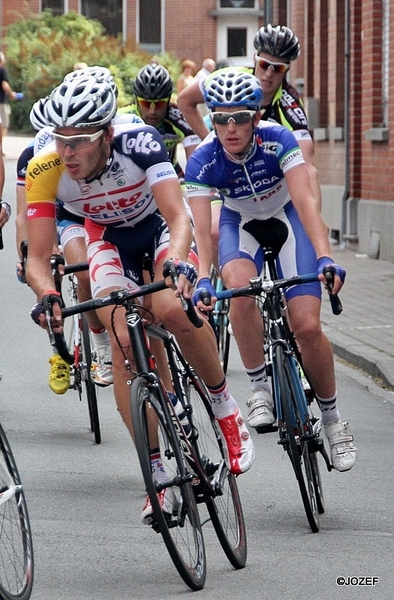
pixel 233 87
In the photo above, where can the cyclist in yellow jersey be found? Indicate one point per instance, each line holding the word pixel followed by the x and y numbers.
pixel 120 179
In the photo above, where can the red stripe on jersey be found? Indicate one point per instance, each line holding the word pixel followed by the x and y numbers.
pixel 41 209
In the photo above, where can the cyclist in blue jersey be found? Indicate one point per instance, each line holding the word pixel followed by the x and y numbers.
pixel 276 48
pixel 260 173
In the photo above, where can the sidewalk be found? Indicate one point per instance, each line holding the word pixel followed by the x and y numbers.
pixel 14 144
pixel 363 334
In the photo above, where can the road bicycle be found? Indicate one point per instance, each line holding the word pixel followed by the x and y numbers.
pixel 189 439
pixel 16 545
pixel 75 346
pixel 299 430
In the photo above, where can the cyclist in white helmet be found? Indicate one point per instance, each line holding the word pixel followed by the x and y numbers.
pixel 261 176
pixel 121 181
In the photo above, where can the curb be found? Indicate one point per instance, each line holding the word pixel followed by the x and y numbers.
pixel 373 362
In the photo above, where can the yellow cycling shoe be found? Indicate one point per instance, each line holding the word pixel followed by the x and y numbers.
pixel 59 377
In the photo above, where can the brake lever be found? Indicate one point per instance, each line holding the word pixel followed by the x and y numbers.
pixel 336 304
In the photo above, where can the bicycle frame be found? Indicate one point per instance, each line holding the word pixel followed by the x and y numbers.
pixel 139 332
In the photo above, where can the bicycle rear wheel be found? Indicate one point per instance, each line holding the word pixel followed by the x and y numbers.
pixel 296 435
pixel 225 508
pixel 181 531
pixel 16 547
pixel 86 381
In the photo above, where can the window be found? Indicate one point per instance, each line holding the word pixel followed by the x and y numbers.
pixel 385 61
pixel 109 13
pixel 236 41
pixel 237 3
pixel 56 6
pixel 150 25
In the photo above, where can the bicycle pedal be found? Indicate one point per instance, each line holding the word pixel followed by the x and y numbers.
pixel 267 428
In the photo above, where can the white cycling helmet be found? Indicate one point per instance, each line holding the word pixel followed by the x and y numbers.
pixel 81 102
pixel 100 73
pixel 233 87
pixel 37 114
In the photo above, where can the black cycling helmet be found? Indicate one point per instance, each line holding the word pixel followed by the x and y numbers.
pixel 153 82
pixel 278 41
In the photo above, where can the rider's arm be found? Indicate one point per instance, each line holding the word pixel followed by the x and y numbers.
pixel 187 101
pixel 2 172
pixel 307 149
pixel 170 203
pixel 299 185
pixel 202 219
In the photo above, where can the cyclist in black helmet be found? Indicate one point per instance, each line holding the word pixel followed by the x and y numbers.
pixel 276 47
pixel 153 88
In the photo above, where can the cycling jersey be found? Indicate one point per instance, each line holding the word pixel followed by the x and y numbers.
pixel 112 203
pixel 120 196
pixel 173 129
pixel 254 188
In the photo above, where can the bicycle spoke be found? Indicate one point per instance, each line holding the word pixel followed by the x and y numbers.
pixel 181 528
pixel 225 507
pixel 16 549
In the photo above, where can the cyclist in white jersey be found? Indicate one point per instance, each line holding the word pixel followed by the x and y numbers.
pixel 261 176
pixel 120 179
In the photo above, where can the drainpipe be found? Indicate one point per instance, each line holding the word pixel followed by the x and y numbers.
pixel 346 126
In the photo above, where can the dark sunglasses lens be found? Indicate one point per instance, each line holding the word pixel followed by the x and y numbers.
pixel 242 118
pixel 239 118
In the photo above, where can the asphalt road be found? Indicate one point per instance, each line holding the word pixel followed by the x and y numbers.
pixel 85 500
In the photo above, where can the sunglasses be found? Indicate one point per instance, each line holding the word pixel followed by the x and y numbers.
pixel 159 104
pixel 239 118
pixel 76 142
pixel 267 64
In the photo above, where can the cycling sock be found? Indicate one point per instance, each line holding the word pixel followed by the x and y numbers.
pixel 223 404
pixel 100 338
pixel 258 377
pixel 329 411
pixel 158 471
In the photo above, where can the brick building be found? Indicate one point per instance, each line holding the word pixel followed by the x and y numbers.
pixel 343 71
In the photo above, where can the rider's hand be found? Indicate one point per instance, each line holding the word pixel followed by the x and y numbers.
pixel 204 293
pixel 186 275
pixel 340 273
pixel 52 301
pixel 20 272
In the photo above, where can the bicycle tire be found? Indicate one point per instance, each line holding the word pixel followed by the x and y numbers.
pixel 223 336
pixel 182 532
pixel 296 445
pixel 90 389
pixel 16 546
pixel 225 508
pixel 219 321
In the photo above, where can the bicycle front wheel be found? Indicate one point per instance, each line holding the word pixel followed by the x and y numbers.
pixel 296 435
pixel 90 389
pixel 16 547
pixel 225 509
pixel 181 530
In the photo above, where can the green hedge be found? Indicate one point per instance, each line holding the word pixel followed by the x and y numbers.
pixel 41 49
